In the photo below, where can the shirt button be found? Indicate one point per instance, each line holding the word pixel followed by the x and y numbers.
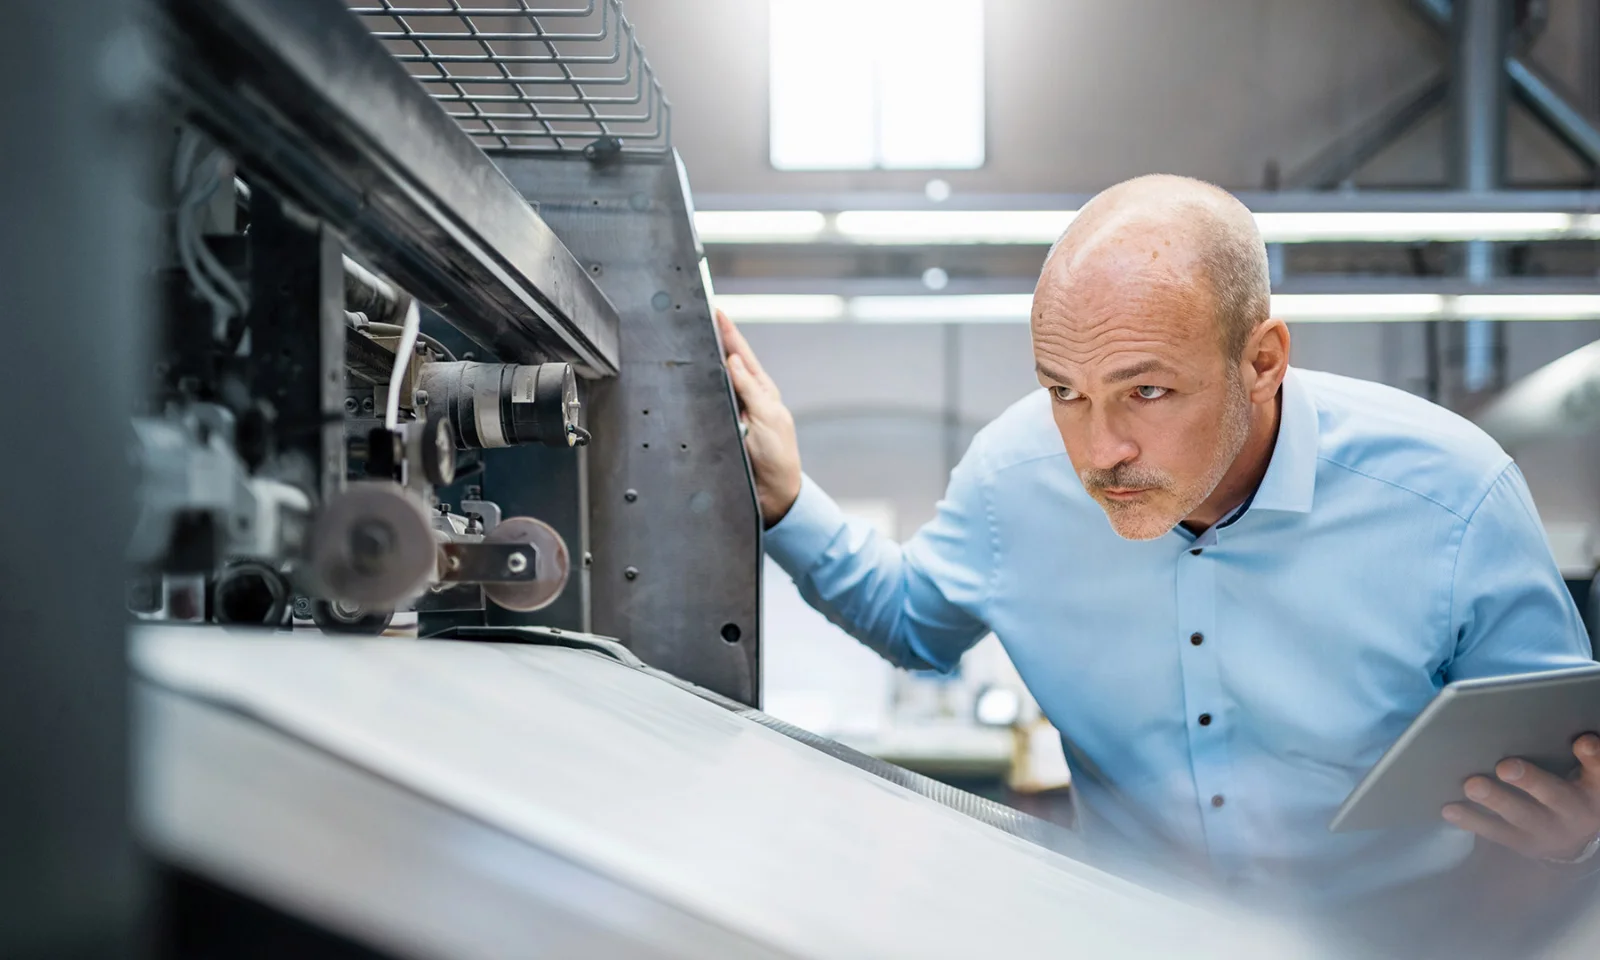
pixel 1216 800
pixel 1197 638
pixel 1205 719
pixel 1197 551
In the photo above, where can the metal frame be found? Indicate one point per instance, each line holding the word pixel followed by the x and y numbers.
pixel 317 108
pixel 1531 89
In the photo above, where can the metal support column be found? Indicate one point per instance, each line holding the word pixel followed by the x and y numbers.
pixel 1479 32
pixel 78 144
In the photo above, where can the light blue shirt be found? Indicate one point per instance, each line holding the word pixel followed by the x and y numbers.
pixel 1218 699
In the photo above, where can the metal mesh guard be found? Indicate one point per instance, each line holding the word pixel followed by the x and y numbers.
pixel 554 78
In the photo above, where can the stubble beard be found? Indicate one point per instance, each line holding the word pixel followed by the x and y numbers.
pixel 1167 501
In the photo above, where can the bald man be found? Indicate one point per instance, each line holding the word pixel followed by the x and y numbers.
pixel 1229 583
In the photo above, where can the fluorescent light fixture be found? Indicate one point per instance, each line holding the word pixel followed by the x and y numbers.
pixel 758 226
pixel 1045 226
pixel 784 308
pixel 1529 306
pixel 1416 227
pixel 955 308
pixel 953 226
pixel 1319 307
pixel 1294 308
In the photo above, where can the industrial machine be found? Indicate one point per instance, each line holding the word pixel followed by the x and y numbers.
pixel 395 374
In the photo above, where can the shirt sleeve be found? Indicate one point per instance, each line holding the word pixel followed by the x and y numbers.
pixel 1510 610
pixel 919 605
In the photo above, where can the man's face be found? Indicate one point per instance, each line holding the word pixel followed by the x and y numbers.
pixel 1151 414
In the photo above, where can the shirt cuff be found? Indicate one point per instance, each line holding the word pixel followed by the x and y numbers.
pixel 798 541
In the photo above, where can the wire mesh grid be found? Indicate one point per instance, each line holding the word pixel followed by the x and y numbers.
pixel 552 78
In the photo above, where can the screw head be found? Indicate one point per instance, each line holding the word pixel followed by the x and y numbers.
pixel 422 398
pixel 366 404
pixel 350 405
pixel 517 562
pixel 630 495
pixel 632 573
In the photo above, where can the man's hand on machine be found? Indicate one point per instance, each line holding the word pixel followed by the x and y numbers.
pixel 1533 811
pixel 769 427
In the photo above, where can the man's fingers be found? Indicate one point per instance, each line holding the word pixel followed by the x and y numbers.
pixel 1555 793
pixel 752 393
pixel 1488 827
pixel 1587 749
pixel 735 345
pixel 1513 806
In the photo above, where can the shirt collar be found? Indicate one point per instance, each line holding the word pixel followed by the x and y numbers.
pixel 1292 472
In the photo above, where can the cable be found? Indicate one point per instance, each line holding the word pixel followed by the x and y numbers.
pixel 395 330
pixel 197 172
pixel 402 357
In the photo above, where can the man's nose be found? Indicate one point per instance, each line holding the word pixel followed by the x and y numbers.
pixel 1109 446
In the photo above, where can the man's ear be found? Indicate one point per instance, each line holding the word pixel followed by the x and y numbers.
pixel 1267 355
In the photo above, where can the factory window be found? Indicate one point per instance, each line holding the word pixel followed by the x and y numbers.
pixel 877 84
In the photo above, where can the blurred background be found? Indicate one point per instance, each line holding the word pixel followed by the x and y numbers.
pixel 878 181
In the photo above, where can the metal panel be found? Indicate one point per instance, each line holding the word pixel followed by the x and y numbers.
pixel 316 106
pixel 551 484
pixel 297 335
pixel 372 860
pixel 74 268
pixel 623 776
pixel 675 531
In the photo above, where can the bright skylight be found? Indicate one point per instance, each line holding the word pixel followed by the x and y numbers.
pixel 877 84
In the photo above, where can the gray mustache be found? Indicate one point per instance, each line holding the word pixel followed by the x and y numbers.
pixel 1122 477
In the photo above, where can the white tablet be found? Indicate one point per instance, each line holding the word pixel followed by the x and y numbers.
pixel 1470 726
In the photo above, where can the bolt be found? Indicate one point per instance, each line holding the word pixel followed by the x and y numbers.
pixel 630 495
pixel 366 404
pixel 422 398
pixel 588 559
pixel 302 606
pixel 517 562
pixel 350 405
pixel 454 562
pixel 632 573
pixel 444 508
pixel 371 541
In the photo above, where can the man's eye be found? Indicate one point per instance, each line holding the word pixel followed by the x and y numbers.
pixel 1150 393
pixel 1064 394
